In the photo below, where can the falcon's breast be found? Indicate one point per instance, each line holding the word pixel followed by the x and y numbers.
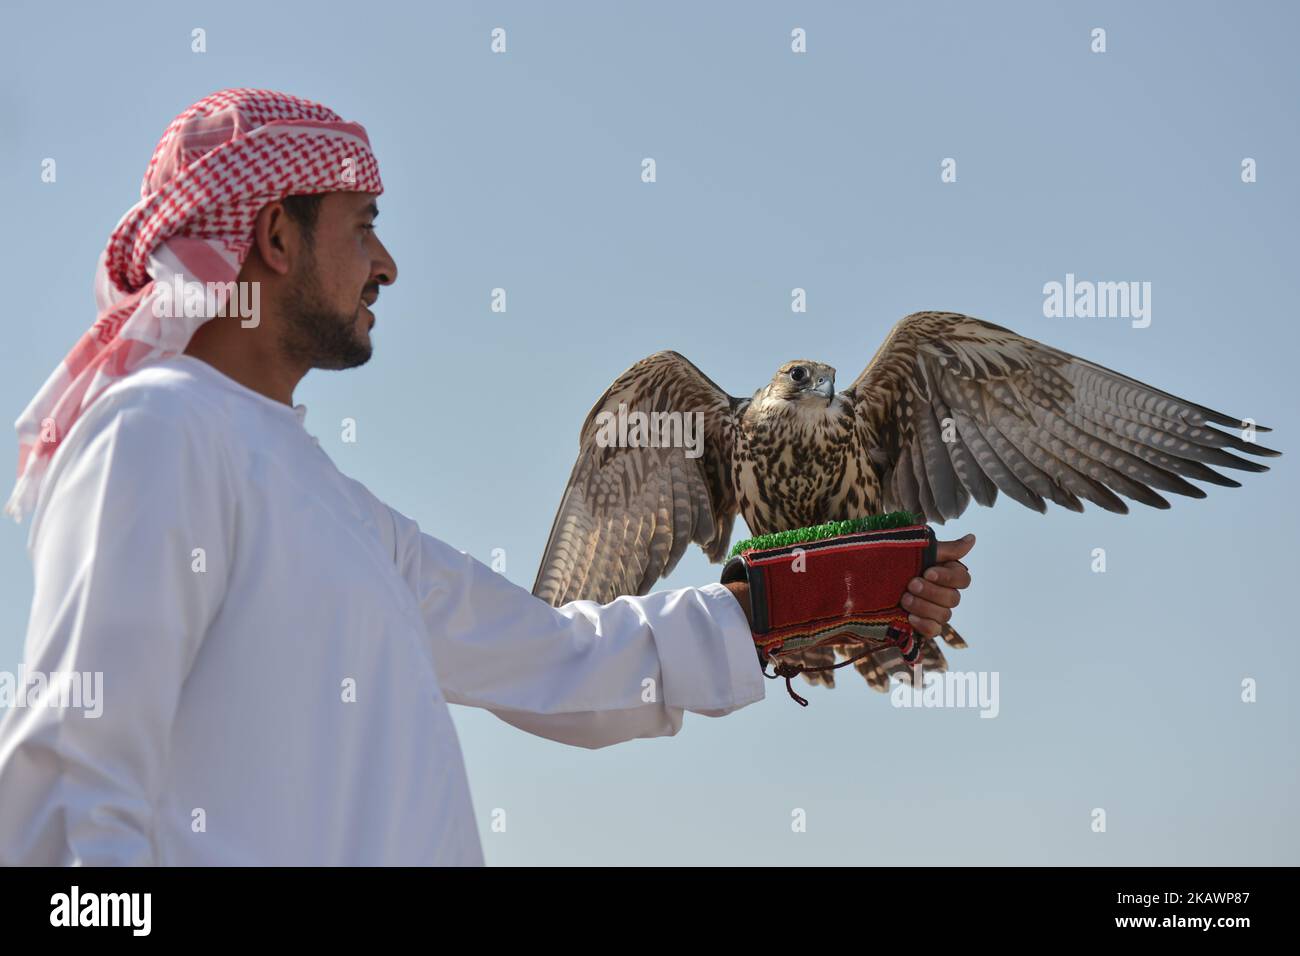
pixel 795 463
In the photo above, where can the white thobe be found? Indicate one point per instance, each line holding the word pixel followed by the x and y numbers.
pixel 278 649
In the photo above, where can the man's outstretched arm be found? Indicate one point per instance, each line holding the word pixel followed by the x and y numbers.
pixel 592 675
pixel 584 674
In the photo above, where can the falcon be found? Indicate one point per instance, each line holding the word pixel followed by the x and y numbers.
pixel 950 409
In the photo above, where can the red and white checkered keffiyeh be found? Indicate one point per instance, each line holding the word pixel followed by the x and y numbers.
pixel 216 165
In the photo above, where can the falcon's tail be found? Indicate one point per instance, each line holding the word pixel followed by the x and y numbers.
pixel 878 666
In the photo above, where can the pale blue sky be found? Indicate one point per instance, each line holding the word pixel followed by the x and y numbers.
pixel 776 171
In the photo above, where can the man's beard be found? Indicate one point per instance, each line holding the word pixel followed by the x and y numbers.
pixel 315 332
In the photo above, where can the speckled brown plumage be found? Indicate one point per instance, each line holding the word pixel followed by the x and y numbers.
pixel 949 409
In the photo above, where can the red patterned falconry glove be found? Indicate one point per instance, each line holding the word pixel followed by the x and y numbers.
pixel 841 589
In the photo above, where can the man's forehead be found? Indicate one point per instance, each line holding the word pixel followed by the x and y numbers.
pixel 348 203
pixel 361 202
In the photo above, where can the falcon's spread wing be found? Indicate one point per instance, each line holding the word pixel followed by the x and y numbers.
pixel 629 513
pixel 953 408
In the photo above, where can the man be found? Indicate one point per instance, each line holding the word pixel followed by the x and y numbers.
pixel 278 647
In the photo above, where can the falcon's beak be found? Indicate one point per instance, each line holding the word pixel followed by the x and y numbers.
pixel 826 388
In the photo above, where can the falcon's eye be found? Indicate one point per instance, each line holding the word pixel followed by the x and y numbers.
pixel 798 374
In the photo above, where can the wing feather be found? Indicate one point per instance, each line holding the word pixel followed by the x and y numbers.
pixel 628 514
pixel 943 480
pixel 972 481
pixel 953 408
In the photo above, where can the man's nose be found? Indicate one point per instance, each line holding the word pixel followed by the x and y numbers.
pixel 384 270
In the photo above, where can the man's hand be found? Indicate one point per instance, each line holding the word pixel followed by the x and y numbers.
pixel 930 600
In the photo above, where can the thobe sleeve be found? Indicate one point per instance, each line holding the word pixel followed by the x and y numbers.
pixel 120 591
pixel 584 674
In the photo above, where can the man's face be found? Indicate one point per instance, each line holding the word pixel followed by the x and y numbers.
pixel 335 282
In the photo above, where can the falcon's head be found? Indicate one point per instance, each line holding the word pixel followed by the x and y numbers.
pixel 803 381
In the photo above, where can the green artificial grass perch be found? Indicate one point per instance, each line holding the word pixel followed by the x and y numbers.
pixel 832 529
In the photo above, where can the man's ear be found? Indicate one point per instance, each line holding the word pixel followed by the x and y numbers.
pixel 276 238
